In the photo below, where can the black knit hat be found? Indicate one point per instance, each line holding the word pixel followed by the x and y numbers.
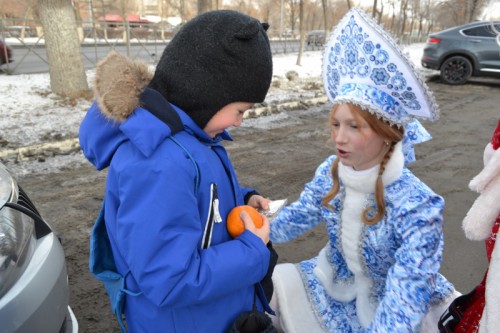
pixel 217 58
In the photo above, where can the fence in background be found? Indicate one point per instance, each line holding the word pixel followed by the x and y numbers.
pixel 139 41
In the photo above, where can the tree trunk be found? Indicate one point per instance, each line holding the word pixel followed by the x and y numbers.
pixel 67 75
pixel 301 29
pixel 292 15
pixel 402 18
pixel 126 26
pixel 325 16
pixel 420 27
pixel 204 6
pixel 182 11
pixel 374 9
pixel 381 13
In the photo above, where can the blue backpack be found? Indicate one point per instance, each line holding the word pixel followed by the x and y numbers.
pixel 102 266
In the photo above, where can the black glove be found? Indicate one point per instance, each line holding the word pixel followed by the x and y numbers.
pixel 267 282
pixel 253 322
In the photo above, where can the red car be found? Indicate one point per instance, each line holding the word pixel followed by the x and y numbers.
pixel 5 53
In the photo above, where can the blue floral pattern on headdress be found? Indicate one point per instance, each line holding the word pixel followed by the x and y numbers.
pixel 360 55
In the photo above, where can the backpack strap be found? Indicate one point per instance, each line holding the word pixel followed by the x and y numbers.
pixel 154 102
pixel 191 158
pixel 102 265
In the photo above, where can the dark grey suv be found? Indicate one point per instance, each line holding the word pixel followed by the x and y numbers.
pixel 464 51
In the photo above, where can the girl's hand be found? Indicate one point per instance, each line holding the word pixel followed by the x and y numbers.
pixel 262 232
pixel 258 202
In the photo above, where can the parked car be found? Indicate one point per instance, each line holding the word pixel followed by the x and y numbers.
pixel 5 53
pixel 464 51
pixel 34 290
pixel 316 37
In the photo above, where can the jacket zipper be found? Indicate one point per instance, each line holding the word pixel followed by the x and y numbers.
pixel 213 217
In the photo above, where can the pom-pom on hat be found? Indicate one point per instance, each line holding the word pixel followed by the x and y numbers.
pixel 363 65
pixel 217 58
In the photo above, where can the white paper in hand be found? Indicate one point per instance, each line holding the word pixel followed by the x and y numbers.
pixel 274 208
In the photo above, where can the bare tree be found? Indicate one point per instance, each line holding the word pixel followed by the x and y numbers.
pixel 456 12
pixel 175 8
pixel 423 14
pixel 182 12
pixel 67 75
pixel 377 14
pixel 402 17
pixel 325 17
pixel 474 8
pixel 301 31
pixel 393 16
pixel 265 10
pixel 292 4
pixel 380 12
pixel 204 6
pixel 241 6
pixel 374 8
pixel 126 26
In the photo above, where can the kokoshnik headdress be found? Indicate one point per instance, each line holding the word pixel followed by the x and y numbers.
pixel 363 65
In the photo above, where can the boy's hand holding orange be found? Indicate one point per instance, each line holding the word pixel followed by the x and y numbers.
pixel 235 225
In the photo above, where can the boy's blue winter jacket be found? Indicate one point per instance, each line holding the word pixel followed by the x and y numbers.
pixel 156 215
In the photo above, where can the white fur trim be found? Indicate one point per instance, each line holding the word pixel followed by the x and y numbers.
pixel 364 308
pixel 490 321
pixel 491 169
pixel 479 220
pixel 352 228
pixel 290 302
pixel 430 321
pixel 325 274
pixel 359 290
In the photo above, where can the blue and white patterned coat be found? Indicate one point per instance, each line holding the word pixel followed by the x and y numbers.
pixel 378 278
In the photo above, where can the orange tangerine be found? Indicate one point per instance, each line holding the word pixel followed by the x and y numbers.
pixel 235 225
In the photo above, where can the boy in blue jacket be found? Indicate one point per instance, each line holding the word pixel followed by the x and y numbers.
pixel 170 183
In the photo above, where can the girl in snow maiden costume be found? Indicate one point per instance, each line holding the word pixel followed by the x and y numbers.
pixel 379 270
pixel 170 183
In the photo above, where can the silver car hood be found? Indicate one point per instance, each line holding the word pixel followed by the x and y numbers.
pixel 7 186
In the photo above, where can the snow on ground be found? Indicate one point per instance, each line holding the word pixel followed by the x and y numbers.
pixel 30 114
